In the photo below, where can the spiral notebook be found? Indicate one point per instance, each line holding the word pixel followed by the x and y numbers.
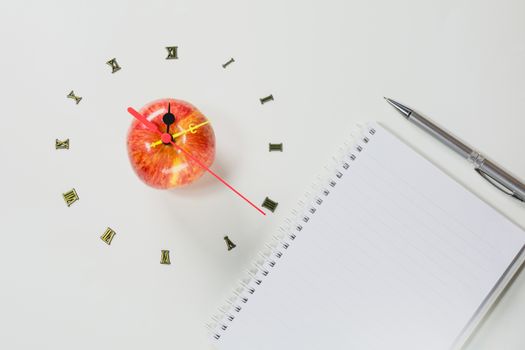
pixel 387 253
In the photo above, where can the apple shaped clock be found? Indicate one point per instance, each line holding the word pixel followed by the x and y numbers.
pixel 171 144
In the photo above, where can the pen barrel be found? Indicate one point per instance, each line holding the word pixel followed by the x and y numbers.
pixel 504 178
pixel 441 135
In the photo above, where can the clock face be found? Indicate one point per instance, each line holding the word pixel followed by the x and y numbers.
pixel 171 144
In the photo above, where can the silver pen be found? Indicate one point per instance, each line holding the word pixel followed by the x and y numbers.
pixel 488 170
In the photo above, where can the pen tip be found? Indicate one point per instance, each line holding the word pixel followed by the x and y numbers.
pixel 405 111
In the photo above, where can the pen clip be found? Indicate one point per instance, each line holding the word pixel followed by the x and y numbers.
pixel 496 184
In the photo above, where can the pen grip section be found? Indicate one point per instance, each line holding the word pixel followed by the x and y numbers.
pixel 514 186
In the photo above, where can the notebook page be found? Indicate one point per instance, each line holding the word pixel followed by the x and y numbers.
pixel 398 256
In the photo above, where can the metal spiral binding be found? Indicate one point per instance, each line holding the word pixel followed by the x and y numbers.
pixel 274 250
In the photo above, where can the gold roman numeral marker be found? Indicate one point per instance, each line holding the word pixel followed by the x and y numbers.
pixel 276 147
pixel 70 197
pixel 266 99
pixel 114 65
pixel 165 257
pixel 62 144
pixel 269 204
pixel 74 97
pixel 108 235
pixel 172 52
pixel 228 63
pixel 229 243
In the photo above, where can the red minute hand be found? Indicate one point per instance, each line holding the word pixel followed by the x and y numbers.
pixel 144 120
pixel 154 129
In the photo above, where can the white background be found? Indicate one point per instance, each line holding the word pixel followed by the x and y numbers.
pixel 327 63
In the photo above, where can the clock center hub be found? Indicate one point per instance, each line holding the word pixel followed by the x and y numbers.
pixel 166 138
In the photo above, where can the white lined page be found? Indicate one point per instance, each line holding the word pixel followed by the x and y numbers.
pixel 398 256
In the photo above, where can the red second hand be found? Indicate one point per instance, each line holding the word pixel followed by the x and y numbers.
pixel 153 128
pixel 217 177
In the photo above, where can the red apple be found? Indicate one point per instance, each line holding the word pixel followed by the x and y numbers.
pixel 161 165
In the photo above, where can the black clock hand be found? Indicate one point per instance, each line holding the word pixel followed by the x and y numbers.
pixel 168 118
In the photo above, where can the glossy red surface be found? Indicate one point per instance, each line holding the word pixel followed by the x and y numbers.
pixel 163 166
